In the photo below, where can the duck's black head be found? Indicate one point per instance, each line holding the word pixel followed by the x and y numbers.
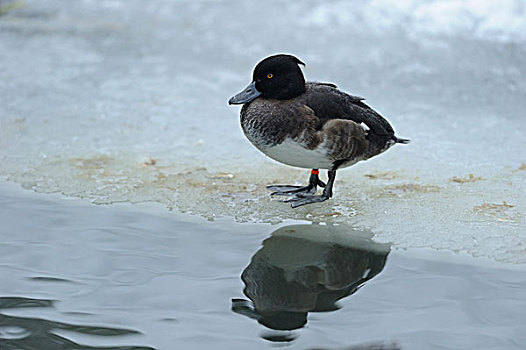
pixel 277 77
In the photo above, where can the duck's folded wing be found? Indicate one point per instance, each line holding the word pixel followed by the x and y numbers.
pixel 330 103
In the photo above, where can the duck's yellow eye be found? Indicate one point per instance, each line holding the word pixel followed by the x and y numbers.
pixel 270 75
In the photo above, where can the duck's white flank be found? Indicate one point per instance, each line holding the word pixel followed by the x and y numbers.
pixel 293 153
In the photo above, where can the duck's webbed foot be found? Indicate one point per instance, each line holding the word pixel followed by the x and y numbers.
pixel 300 199
pixel 310 189
pixel 287 190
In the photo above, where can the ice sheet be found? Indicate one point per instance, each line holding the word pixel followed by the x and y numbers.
pixel 126 101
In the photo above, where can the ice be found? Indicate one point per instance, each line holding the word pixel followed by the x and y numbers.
pixel 126 101
pixel 502 20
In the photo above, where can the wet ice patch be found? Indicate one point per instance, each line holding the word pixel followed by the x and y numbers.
pixel 483 217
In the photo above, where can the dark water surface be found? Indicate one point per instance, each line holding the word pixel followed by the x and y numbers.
pixel 80 276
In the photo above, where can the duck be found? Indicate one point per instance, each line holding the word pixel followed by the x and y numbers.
pixel 309 125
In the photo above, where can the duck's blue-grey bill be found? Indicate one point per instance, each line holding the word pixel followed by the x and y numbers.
pixel 246 95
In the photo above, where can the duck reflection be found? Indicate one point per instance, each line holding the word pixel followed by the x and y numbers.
pixel 307 268
pixel 35 333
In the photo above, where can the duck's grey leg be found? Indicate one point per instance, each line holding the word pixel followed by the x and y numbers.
pixel 301 199
pixel 310 189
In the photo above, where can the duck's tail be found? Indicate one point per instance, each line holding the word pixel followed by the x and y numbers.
pixel 400 140
pixel 384 144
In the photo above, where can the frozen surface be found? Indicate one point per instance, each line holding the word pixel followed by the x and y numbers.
pixel 126 101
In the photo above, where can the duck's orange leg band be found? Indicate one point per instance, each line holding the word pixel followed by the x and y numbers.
pixel 314 171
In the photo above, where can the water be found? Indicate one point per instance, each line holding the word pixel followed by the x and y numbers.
pixel 120 102
pixel 83 276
